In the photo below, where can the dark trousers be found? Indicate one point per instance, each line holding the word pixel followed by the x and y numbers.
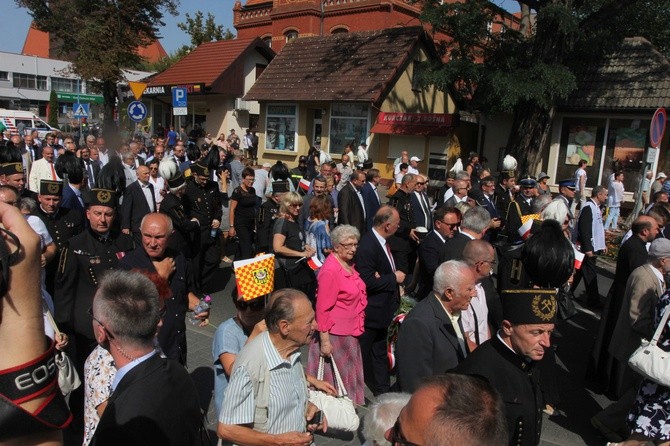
pixel 590 274
pixel 245 235
pixel 375 361
pixel 205 263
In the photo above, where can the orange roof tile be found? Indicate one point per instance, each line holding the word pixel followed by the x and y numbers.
pixel 207 62
pixel 36 43
pixel 152 52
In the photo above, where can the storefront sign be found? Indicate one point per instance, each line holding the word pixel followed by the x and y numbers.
pixel 428 124
pixel 76 97
pixel 166 90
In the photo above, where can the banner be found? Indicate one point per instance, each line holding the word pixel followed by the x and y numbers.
pixel 255 277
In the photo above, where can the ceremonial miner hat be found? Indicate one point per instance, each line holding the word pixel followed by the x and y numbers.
pixel 103 197
pixel 508 174
pixel 50 187
pixel 279 187
pixel 175 182
pixel 532 306
pixel 11 168
pixel 199 169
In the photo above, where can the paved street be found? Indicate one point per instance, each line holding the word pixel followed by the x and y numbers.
pixel 577 405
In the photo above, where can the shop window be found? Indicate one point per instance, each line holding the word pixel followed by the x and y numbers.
pixel 349 124
pixel 626 144
pixel 280 125
pixel 581 138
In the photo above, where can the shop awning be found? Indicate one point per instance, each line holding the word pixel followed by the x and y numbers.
pixel 426 124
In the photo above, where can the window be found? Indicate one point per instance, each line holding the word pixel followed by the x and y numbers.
pixel 280 125
pixel 290 35
pixel 30 81
pixel 349 124
pixel 267 40
pixel 340 30
pixel 65 85
pixel 4 76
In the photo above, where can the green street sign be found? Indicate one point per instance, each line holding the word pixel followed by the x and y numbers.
pixel 74 97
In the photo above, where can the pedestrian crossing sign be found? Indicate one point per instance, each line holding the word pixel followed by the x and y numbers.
pixel 80 110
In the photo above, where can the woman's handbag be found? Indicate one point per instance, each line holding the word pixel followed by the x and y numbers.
pixel 339 410
pixel 650 360
pixel 68 378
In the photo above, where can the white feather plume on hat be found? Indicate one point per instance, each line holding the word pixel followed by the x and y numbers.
pixel 509 163
pixel 458 166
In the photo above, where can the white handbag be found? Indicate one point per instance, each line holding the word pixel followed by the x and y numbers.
pixel 68 378
pixel 339 410
pixel 651 361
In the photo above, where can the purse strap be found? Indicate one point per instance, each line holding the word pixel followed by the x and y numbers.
pixel 341 390
pixel 661 325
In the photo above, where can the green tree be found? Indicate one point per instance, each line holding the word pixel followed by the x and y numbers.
pixel 100 37
pixel 201 32
pixel 528 72
pixel 52 118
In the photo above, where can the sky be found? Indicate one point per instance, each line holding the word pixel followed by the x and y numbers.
pixel 15 21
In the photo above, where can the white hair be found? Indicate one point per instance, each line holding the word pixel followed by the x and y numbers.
pixel 382 415
pixel 449 275
pixel 556 210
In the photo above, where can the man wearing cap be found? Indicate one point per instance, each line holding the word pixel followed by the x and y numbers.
pixel 267 215
pixel 203 202
pixel 299 172
pixel 591 238
pixel 414 165
pixel 542 186
pixel 508 360
pixel 60 222
pixel 636 320
pixel 521 206
pixel 12 174
pixel 185 237
pixel 657 185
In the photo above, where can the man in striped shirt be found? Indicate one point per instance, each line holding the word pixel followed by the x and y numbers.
pixel 266 399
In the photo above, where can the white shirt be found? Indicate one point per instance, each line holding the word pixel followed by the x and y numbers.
pixel 159 185
pixel 479 309
pixel 413 170
pixel 147 194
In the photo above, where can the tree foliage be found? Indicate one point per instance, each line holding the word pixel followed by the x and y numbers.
pixel 528 72
pixel 201 32
pixel 100 37
pixel 52 118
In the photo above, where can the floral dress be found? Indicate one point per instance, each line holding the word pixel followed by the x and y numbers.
pixel 651 410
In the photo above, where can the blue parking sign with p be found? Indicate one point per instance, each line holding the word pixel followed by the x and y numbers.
pixel 179 97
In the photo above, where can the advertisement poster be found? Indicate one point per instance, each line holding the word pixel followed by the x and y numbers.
pixel 581 144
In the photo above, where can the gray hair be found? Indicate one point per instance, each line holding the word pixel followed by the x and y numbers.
pixel 556 210
pixel 127 303
pixel 344 232
pixel 476 219
pixel 596 190
pixel 463 175
pixel 383 215
pixel 540 202
pixel 282 307
pixel 449 275
pixel 407 178
pixel 382 415
pixel 128 156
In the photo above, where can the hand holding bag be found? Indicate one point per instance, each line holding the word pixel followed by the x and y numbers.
pixel 650 360
pixel 339 410
pixel 68 378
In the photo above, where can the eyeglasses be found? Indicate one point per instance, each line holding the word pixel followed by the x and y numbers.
pixel 254 306
pixel 349 245
pixel 90 313
pixel 491 262
pixel 396 436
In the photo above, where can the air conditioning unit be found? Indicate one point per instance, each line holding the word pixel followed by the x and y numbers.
pixel 241 105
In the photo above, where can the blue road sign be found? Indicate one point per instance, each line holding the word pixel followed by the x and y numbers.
pixel 657 127
pixel 179 97
pixel 80 110
pixel 137 111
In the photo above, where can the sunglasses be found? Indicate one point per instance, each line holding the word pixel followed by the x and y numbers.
pixel 452 226
pixel 420 183
pixel 396 436
pixel 109 333
pixel 254 306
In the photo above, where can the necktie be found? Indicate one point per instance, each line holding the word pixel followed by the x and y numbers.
pixel 426 210
pixel 91 180
pixel 53 172
pixel 388 250
pixel 474 316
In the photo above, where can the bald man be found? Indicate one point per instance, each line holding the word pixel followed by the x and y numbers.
pixel 138 201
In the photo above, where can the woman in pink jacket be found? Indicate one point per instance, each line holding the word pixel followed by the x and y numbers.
pixel 340 313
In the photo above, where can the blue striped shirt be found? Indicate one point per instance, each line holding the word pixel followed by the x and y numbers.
pixel 288 393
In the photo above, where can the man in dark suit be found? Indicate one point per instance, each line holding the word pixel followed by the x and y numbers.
pixel 69 166
pixel 350 203
pixel 446 222
pixel 154 400
pixel 138 201
pixel 371 196
pixel 421 205
pixel 431 340
pixel 92 167
pixel 475 223
pixel 377 267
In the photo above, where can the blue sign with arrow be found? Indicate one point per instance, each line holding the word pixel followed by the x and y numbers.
pixel 137 111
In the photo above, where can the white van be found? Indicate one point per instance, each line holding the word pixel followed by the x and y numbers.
pixel 15 119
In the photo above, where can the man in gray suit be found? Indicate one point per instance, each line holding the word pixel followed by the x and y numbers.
pixel 645 286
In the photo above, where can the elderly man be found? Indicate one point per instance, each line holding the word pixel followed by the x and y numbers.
pixel 430 340
pixel 155 392
pixel 455 408
pixel 350 203
pixel 346 169
pixel 154 256
pixel 266 399
pixel 507 361
pixel 377 267
pixel 421 204
pixel 42 169
pixel 139 199
pixel 459 195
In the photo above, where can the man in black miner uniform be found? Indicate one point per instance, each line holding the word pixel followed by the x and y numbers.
pixel 203 201
pixel 504 193
pixel 60 222
pixel 300 172
pixel 82 264
pixel 267 216
pixel 186 234
pixel 520 207
pixel 12 174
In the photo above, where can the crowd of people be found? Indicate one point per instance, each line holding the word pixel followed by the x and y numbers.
pixel 443 305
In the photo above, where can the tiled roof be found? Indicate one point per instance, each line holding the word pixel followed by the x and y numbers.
pixel 339 67
pixel 206 63
pixel 636 76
